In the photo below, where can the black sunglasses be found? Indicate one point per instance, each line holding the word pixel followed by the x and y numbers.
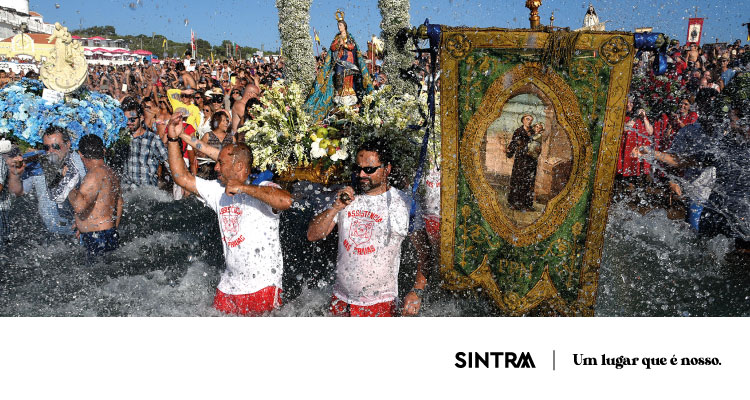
pixel 55 146
pixel 368 170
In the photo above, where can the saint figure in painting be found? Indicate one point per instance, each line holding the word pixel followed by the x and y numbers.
pixel 524 148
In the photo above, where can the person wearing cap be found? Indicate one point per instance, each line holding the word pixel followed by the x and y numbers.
pixel 11 162
pixel 98 201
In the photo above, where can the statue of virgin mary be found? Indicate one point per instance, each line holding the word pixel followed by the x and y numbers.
pixel 343 79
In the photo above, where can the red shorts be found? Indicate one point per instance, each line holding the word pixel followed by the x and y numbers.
pixel 340 308
pixel 253 304
pixel 432 225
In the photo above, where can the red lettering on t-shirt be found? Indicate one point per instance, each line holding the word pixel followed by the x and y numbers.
pixel 236 242
pixel 363 251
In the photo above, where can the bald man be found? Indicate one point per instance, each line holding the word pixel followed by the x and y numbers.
pixel 248 221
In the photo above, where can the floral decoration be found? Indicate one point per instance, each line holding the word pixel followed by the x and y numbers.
pixel 25 114
pixel 657 94
pixel 278 131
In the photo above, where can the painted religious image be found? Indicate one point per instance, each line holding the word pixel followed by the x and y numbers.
pixel 526 155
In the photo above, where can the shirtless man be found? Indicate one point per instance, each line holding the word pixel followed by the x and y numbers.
pixel 692 55
pixel 98 201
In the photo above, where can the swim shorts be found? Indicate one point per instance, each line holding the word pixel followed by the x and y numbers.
pixel 100 242
pixel 252 304
pixel 432 225
pixel 340 308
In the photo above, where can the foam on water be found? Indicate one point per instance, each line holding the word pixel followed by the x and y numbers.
pixel 170 260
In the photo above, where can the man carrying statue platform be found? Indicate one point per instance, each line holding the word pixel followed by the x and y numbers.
pixel 61 170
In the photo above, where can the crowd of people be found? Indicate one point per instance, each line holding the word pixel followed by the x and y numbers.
pixel 182 118
pixel 181 135
pixel 690 153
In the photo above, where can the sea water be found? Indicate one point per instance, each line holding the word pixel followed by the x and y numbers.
pixel 170 259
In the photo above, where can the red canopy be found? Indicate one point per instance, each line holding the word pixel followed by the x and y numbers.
pixel 120 51
pixel 142 52
pixel 97 38
pixel 75 37
pixel 99 50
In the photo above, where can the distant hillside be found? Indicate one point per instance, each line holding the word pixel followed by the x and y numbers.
pixel 155 42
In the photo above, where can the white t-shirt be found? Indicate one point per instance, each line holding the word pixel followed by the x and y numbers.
pixel 371 230
pixel 432 192
pixel 250 234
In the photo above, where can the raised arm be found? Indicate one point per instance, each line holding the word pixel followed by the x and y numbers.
pixel 15 185
pixel 201 146
pixel 180 174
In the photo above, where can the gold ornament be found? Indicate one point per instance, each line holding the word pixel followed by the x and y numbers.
pixel 65 70
pixel 339 15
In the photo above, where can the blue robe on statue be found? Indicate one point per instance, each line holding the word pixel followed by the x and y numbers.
pixel 320 100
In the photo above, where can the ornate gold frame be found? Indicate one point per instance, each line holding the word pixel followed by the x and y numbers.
pixel 616 49
pixel 568 116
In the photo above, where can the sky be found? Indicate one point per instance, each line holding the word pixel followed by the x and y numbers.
pixel 255 22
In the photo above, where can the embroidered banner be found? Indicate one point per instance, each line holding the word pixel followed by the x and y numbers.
pixel 695 31
pixel 531 129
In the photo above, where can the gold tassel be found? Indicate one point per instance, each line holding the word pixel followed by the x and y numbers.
pixel 560 48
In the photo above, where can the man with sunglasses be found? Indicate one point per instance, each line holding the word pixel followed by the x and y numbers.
pixel 147 150
pixel 61 171
pixel 372 224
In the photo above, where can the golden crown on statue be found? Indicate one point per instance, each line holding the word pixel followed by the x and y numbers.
pixel 339 15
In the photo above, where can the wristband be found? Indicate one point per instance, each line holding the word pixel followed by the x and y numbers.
pixel 169 139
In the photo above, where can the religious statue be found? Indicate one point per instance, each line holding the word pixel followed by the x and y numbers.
pixel 591 21
pixel 591 18
pixel 65 70
pixel 343 78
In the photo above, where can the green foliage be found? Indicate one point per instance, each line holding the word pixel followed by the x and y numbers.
pixel 155 43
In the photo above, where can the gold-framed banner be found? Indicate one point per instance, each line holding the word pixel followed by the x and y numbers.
pixel 531 125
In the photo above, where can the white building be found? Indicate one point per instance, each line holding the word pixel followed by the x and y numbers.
pixel 15 13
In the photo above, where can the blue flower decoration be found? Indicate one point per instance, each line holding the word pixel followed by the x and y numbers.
pixel 24 114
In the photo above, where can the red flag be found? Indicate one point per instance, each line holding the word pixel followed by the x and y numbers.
pixel 695 31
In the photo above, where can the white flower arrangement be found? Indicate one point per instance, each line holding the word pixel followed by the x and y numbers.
pixel 277 131
pixel 281 135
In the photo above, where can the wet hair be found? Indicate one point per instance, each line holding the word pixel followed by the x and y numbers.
pixel 51 130
pixel 379 146
pixel 241 152
pixel 180 67
pixel 91 147
pixel 130 104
